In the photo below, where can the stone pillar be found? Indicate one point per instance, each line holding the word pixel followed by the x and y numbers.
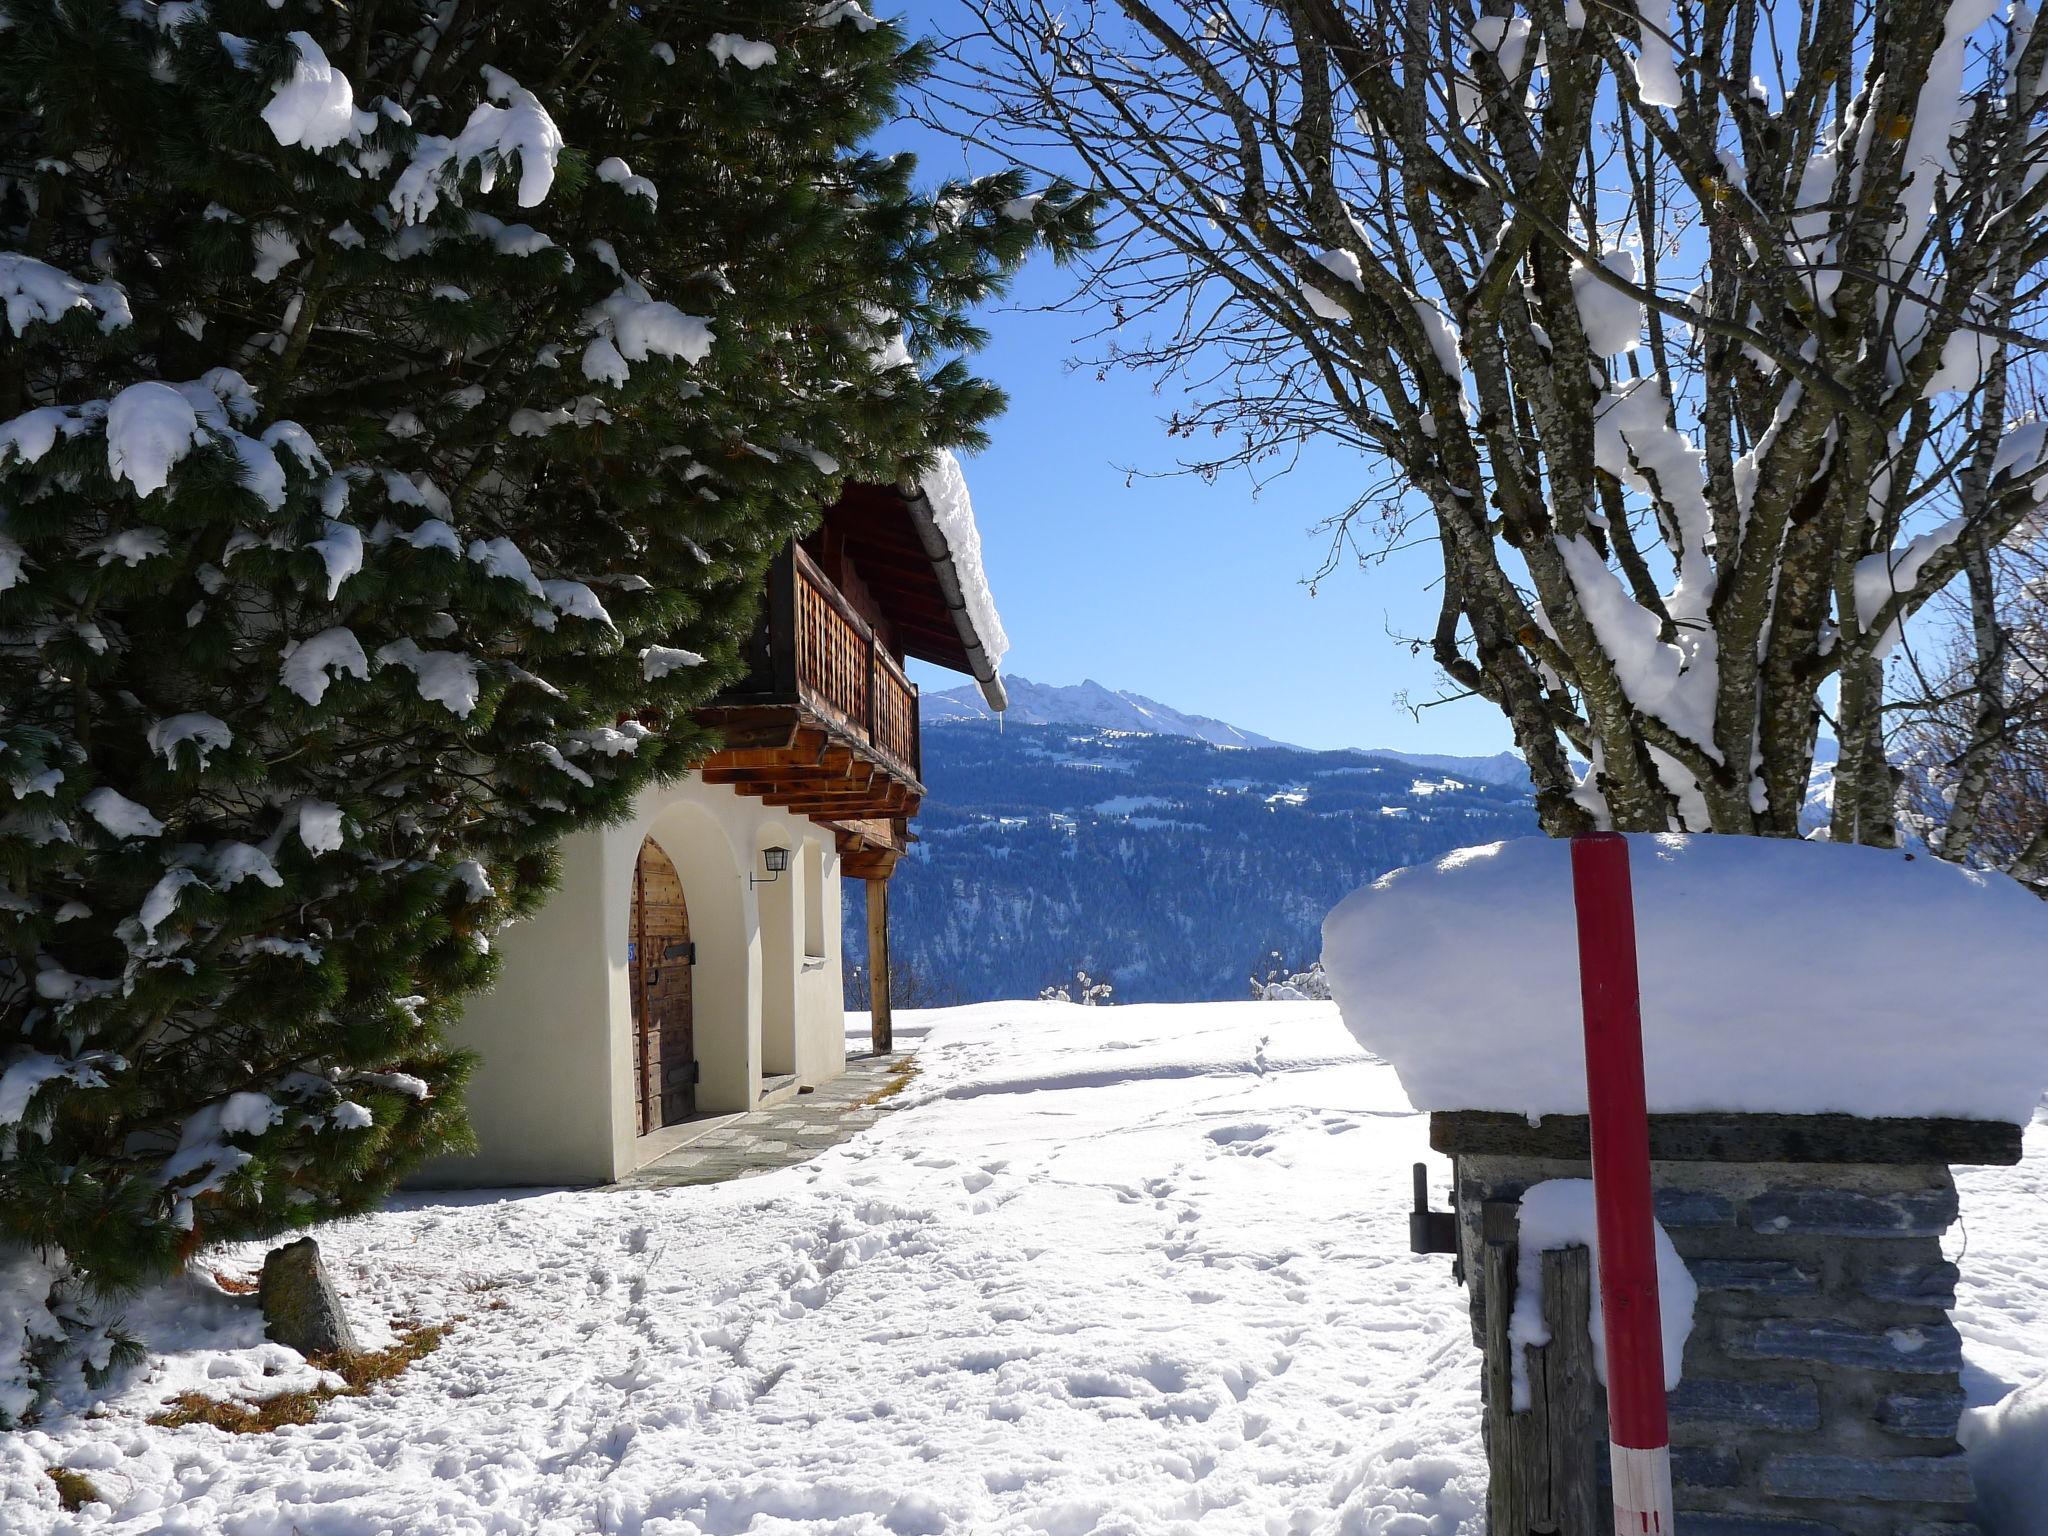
pixel 1822 1385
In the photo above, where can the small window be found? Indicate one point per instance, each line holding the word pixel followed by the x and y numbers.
pixel 814 900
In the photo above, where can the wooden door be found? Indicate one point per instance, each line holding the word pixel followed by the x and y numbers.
pixel 659 958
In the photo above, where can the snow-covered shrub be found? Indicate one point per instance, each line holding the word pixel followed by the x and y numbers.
pixel 1284 984
pixel 381 488
pixel 1084 990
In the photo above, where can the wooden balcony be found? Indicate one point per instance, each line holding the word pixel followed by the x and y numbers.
pixel 826 722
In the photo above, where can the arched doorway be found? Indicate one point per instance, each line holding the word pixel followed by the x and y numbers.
pixel 659 956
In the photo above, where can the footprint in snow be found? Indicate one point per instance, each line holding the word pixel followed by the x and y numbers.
pixel 1250 1130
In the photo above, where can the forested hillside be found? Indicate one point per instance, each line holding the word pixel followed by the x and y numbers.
pixel 1171 866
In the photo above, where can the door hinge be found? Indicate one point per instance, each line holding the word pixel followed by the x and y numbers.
pixel 1430 1231
pixel 683 950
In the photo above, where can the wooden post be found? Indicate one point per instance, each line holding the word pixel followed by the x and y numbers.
pixel 881 1017
pixel 1508 1504
pixel 1507 1499
pixel 1541 1461
pixel 1569 1386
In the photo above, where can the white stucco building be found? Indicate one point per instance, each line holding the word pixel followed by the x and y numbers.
pixel 689 965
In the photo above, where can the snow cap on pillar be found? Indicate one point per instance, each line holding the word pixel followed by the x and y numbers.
pixel 1778 976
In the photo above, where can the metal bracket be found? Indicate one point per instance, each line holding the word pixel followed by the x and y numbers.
pixel 1430 1231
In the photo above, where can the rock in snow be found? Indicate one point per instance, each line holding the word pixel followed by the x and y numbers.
pixel 300 1307
pixel 1777 976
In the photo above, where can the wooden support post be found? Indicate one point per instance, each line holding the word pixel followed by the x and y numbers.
pixel 1541 1460
pixel 881 1017
pixel 1507 1500
pixel 1569 1384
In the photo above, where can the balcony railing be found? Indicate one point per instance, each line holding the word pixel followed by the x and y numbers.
pixel 815 651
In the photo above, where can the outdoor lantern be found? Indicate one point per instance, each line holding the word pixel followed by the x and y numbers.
pixel 775 861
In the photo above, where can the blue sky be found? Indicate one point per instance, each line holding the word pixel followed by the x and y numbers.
pixel 1193 594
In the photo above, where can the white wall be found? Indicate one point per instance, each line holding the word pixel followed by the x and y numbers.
pixel 820 983
pixel 781 908
pixel 552 1100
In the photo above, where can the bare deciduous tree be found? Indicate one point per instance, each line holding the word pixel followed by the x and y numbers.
pixel 1973 735
pixel 1683 329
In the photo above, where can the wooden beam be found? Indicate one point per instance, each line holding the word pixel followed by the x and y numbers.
pixel 870 785
pixel 750 736
pixel 871 832
pixel 881 1016
pixel 741 760
pixel 872 864
pixel 832 807
pixel 754 780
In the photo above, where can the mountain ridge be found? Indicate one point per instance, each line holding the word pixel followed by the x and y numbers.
pixel 1091 704
pixel 1099 707
pixel 1175 867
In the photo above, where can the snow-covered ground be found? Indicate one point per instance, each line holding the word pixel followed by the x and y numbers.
pixel 1135 1270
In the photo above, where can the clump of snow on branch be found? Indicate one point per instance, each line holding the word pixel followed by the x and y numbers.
pixel 204 733
pixel 1881 577
pixel 1613 320
pixel 311 664
pixel 150 427
pixel 1507 39
pixel 657 661
pixel 32 291
pixel 1656 70
pixel 447 678
pixel 316 107
pixel 636 326
pixel 492 138
pixel 120 816
pixel 731 48
pixel 320 826
pixel 619 174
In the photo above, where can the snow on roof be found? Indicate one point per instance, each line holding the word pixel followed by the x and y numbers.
pixel 1777 977
pixel 944 514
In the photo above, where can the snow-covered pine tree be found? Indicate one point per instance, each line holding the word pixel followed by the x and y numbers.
pixel 398 408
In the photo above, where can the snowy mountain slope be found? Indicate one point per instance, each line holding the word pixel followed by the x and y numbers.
pixel 1118 709
pixel 1135 1270
pixel 1174 866
pixel 1087 703
pixel 1505 768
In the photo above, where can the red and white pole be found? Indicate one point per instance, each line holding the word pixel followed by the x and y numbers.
pixel 1638 1432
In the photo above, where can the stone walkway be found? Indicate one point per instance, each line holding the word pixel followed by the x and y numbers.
pixel 794 1131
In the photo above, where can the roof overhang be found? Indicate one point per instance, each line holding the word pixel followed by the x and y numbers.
pixel 893 537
